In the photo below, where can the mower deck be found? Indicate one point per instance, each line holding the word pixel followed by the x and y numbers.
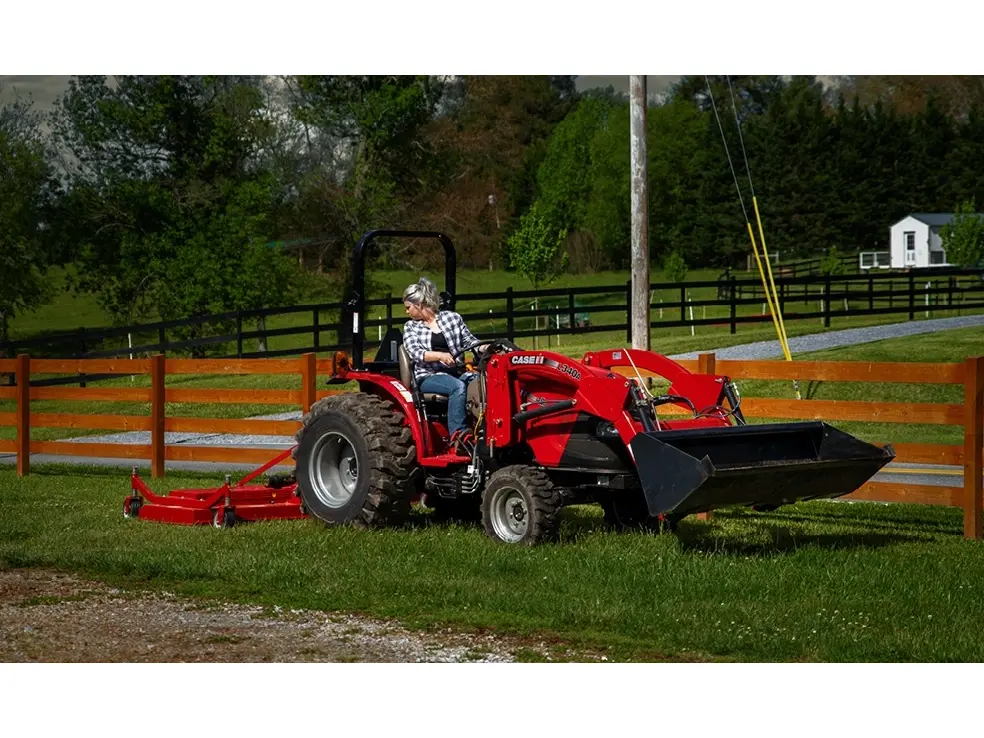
pixel 221 506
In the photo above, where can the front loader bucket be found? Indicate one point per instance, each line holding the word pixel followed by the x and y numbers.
pixel 696 470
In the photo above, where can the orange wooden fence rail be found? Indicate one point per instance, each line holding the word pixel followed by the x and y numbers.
pixel 969 414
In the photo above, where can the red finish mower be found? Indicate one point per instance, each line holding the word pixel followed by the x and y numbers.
pixel 223 506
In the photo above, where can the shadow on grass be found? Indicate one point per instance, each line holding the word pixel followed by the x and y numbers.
pixel 918 525
pixel 780 540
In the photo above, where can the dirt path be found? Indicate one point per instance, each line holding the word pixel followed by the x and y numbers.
pixel 48 616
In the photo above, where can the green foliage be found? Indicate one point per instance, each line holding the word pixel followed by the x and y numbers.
pixel 27 190
pixel 831 264
pixel 169 205
pixel 533 248
pixel 963 238
pixel 675 266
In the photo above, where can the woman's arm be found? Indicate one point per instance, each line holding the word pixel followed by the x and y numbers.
pixel 413 342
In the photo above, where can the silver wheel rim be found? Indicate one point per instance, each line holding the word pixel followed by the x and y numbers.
pixel 510 515
pixel 333 470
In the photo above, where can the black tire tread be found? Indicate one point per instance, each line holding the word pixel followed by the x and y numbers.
pixel 392 453
pixel 546 498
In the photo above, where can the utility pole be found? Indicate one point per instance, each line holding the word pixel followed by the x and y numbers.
pixel 639 320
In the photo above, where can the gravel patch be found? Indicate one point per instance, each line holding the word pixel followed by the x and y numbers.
pixel 49 616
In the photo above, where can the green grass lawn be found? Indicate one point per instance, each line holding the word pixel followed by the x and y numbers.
pixel 822 581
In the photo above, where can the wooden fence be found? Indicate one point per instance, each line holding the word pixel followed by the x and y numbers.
pixel 968 414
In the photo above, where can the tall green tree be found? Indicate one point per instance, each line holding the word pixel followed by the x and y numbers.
pixel 963 237
pixel 172 206
pixel 27 192
pixel 535 248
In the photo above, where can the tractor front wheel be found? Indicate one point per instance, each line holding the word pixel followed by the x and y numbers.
pixel 521 505
pixel 355 459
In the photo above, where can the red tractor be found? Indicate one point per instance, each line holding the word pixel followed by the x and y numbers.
pixel 551 431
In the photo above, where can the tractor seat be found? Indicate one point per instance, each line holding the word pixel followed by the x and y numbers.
pixel 406 376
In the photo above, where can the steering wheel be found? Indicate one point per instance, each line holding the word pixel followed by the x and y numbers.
pixel 495 345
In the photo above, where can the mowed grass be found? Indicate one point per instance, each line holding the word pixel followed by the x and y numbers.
pixel 822 581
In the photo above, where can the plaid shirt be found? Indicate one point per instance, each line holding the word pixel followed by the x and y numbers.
pixel 417 340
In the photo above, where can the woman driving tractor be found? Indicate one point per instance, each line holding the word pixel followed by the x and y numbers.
pixel 436 340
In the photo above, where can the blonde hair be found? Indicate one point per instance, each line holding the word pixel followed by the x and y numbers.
pixel 422 293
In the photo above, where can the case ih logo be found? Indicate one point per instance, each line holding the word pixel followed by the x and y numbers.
pixel 529 359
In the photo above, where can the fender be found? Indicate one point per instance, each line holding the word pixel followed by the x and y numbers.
pixel 394 390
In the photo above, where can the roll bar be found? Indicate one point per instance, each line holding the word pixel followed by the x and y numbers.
pixel 355 308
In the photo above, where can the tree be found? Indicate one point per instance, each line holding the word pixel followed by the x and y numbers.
pixel 533 248
pixel 963 237
pixel 27 190
pixel 172 205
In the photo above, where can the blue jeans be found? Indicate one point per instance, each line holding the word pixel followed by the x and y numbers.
pixel 456 390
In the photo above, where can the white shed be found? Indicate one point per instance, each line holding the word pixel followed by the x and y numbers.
pixel 915 240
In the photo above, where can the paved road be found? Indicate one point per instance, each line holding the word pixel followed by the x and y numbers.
pixel 916 474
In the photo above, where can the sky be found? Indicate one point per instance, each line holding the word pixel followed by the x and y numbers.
pixel 505 37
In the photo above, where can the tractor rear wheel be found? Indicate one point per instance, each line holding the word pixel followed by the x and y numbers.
pixel 521 505
pixel 355 460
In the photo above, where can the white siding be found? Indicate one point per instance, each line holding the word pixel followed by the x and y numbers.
pixel 897 240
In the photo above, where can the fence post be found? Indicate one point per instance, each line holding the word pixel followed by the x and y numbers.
pixel 23 415
pixel 389 312
pixel 157 415
pixel 912 296
pixel 309 381
pixel 628 312
pixel 570 310
pixel 871 292
pixel 705 365
pixel 973 444
pixel 734 307
pixel 316 328
pixel 826 302
pixel 510 322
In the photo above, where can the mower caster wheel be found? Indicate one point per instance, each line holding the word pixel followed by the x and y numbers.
pixel 223 518
pixel 131 507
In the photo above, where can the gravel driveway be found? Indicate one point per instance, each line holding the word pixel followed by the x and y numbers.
pixel 49 616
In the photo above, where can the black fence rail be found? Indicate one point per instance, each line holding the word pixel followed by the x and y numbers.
pixel 524 314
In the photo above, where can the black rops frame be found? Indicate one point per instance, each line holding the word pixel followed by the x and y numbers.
pixel 355 308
